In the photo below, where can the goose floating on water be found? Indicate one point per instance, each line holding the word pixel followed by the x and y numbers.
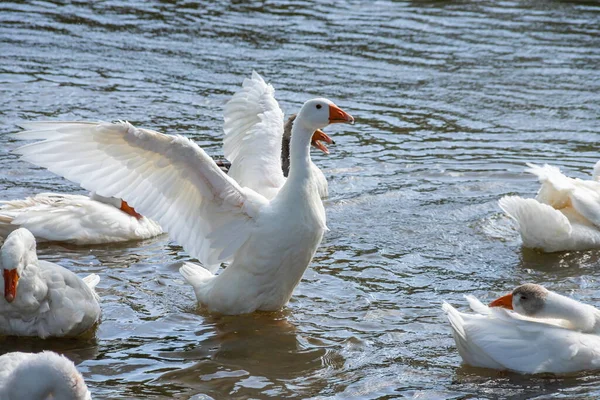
pixel 40 376
pixel 565 215
pixel 544 332
pixel 268 242
pixel 81 220
pixel 40 298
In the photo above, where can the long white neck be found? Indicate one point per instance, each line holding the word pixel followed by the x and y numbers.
pixel 300 152
pixel 581 316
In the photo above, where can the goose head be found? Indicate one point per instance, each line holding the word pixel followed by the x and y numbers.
pixel 528 299
pixel 318 113
pixel 18 251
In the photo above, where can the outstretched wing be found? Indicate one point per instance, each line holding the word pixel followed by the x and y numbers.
pixel 165 177
pixel 253 131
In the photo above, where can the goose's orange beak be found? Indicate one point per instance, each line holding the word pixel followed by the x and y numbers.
pixel 337 115
pixel 504 302
pixel 126 208
pixel 11 278
pixel 318 137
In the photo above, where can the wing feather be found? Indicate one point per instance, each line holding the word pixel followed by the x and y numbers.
pixel 253 133
pixel 497 338
pixel 165 177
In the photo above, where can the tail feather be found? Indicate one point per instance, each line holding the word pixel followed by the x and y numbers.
pixel 92 280
pixel 467 346
pixel 556 188
pixel 456 322
pixel 477 306
pixel 195 274
pixel 550 174
pixel 541 226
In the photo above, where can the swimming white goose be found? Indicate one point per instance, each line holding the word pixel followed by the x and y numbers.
pixel 546 332
pixel 169 178
pixel 565 215
pixel 76 219
pixel 257 142
pixel 40 298
pixel 40 376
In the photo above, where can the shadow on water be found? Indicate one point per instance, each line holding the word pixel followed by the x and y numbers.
pixel 260 350
pixel 77 349
pixel 560 264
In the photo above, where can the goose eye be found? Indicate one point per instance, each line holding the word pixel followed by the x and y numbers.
pixel 319 106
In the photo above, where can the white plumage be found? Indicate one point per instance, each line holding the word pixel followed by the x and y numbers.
pixel 41 376
pixel 565 215
pixel 40 298
pixel 75 219
pixel 254 127
pixel 169 178
pixel 501 339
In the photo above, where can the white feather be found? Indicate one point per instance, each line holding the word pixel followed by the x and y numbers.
pixel 253 131
pixel 74 219
pixel 564 216
pixel 45 375
pixel 50 300
pixel 253 138
pixel 501 339
pixel 168 178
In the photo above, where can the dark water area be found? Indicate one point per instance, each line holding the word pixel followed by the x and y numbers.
pixel 451 99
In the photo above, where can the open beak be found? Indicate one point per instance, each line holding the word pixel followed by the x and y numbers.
pixel 504 302
pixel 337 115
pixel 318 137
pixel 126 208
pixel 11 277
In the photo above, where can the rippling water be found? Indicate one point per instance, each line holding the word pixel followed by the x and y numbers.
pixel 451 99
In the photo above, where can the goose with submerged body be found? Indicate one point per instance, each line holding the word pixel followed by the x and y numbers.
pixel 257 142
pixel 268 242
pixel 76 219
pixel 40 298
pixel 531 330
pixel 40 376
pixel 565 215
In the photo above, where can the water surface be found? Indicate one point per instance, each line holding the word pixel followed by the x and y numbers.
pixel 451 99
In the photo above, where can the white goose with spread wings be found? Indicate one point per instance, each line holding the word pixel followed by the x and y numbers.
pixel 546 332
pixel 169 178
pixel 77 219
pixel 565 215
pixel 257 142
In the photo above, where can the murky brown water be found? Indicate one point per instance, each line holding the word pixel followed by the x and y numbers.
pixel 451 99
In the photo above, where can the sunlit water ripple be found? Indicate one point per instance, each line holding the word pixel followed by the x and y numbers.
pixel 451 99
